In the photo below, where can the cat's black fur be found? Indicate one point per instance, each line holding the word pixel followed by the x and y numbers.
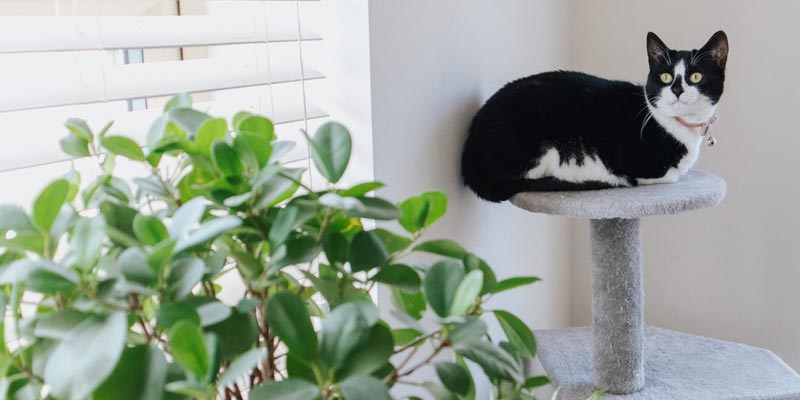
pixel 577 113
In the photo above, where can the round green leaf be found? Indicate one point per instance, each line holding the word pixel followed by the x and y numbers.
pixel 404 336
pixel 75 146
pixel 511 283
pixel 401 276
pixel 79 128
pixel 212 313
pixel 441 283
pixel 442 247
pixel 226 159
pixel 288 219
pixel 414 212
pixel 437 205
pixel 188 348
pixel 187 119
pixel 123 146
pixel 495 362
pixel 86 357
pixel 473 328
pixel 472 262
pixel 288 317
pixel 330 149
pixel 171 313
pixel 287 389
pixel 343 331
pixel 236 334
pixel 48 204
pixel 412 304
pixel 185 273
pixel 134 266
pixel 207 232
pixel 517 332
pixel 362 387
pixel 253 149
pixel 467 293
pixel 374 208
pixel 276 183
pixel 149 230
pixel 50 281
pixel 536 381
pixel 15 219
pixel 454 377
pixel 421 211
pixel 373 354
pixel 256 125
pixel 140 374
pixel 361 207
pixel 391 241
pixel 210 131
pixel 296 250
pixel 362 189
pixel 87 241
pixel 366 252
pixel 241 366
pixel 180 100
pixel 186 217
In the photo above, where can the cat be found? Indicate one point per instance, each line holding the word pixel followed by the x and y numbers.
pixel 564 130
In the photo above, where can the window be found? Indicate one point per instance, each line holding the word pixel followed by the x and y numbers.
pixel 120 60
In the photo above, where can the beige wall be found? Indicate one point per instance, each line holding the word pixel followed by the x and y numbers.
pixel 732 272
pixel 433 63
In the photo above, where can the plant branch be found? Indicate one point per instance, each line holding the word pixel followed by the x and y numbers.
pixel 415 342
pixel 424 362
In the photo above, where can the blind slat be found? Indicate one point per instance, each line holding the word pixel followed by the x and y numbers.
pixel 122 82
pixel 48 33
pixel 45 150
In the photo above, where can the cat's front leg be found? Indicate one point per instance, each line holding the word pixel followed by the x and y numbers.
pixel 671 176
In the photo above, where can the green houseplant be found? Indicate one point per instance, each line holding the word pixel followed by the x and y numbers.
pixel 126 302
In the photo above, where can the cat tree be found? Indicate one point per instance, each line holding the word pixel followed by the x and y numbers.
pixel 619 353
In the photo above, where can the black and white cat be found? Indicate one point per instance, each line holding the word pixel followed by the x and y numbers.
pixel 572 131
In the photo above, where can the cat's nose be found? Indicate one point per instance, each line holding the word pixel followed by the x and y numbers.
pixel 677 87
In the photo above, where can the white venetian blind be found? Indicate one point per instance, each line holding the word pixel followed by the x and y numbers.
pixel 120 60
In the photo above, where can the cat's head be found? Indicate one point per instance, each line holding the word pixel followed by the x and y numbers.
pixel 686 83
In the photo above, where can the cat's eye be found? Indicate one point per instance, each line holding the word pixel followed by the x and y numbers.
pixel 695 77
pixel 666 78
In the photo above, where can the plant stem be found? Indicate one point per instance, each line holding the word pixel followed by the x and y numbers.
pixel 166 187
pixel 415 342
pixel 324 227
pixel 427 360
pixel 299 183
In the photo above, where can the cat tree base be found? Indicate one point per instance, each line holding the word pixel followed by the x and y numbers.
pixel 618 354
pixel 677 366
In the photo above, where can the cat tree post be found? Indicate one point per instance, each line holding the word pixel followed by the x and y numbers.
pixel 617 304
pixel 619 353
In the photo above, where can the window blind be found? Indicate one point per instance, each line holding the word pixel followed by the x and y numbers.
pixel 71 58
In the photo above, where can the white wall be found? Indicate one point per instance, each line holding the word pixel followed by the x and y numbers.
pixel 732 272
pixel 433 63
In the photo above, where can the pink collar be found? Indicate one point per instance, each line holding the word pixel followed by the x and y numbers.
pixel 704 126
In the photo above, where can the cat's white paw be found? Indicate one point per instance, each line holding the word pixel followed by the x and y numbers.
pixel 671 176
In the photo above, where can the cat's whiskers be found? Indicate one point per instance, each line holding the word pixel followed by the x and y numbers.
pixel 649 115
pixel 644 123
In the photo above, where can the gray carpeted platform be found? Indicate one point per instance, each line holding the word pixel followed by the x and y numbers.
pixel 677 366
pixel 695 190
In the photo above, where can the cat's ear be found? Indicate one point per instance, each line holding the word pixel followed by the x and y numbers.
pixel 656 50
pixel 717 47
